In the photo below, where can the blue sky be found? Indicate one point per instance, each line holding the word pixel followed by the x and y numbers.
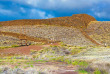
pixel 43 9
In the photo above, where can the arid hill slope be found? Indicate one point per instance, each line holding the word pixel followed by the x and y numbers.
pixel 77 20
pixel 100 32
pixel 68 35
pixel 54 29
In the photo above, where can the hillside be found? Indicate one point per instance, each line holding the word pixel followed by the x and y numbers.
pixel 99 31
pixel 68 35
pixel 69 30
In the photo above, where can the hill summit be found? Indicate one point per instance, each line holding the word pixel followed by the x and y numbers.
pixel 76 20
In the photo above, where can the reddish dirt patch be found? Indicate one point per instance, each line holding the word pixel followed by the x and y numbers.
pixel 24 50
pixel 20 50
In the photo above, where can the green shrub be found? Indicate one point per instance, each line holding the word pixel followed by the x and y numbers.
pixel 16 66
pixel 33 51
pixel 41 61
pixel 83 72
pixel 4 47
pixel 82 47
pixel 58 59
pixel 62 44
pixel 80 63
pixel 15 46
pixel 75 51
pixel 0 25
pixel 68 61
pixel 31 65
pixel 97 71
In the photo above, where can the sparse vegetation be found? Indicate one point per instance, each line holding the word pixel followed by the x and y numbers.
pixel 0 25
pixel 3 47
pixel 97 71
pixel 80 63
pixel 73 43
pixel 83 72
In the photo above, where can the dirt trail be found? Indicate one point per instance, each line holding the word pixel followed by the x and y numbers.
pixel 24 50
pixel 88 37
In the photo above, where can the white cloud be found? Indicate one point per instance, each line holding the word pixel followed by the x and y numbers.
pixel 22 10
pixel 8 12
pixel 32 13
pixel 59 4
pixel 102 14
pixel 5 12
pixel 97 8
pixel 39 14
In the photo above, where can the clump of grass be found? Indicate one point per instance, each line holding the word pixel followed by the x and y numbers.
pixel 16 66
pixel 53 46
pixel 41 61
pixel 75 51
pixel 82 47
pixel 58 59
pixel 82 71
pixel 80 63
pixel 25 67
pixel 4 47
pixel 31 65
pixel 62 44
pixel 0 25
pixel 15 46
pixel 68 61
pixel 33 51
pixel 97 71
pixel 38 43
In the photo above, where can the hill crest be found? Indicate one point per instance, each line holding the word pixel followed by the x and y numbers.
pixel 76 20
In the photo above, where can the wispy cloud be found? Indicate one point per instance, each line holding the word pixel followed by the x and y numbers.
pixel 42 9
pixel 59 4
pixel 100 14
pixel 5 11
pixel 40 14
pixel 22 10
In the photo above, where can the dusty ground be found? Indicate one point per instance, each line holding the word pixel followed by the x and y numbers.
pixel 96 54
pixel 46 68
pixel 99 56
pixel 24 50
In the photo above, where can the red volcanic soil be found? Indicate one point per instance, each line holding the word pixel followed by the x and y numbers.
pixel 24 50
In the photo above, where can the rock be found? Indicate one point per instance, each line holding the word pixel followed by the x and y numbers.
pixel 54 48
pixel 66 52
pixel 42 73
pixel 18 71
pixel 6 70
pixel 18 57
pixel 32 71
